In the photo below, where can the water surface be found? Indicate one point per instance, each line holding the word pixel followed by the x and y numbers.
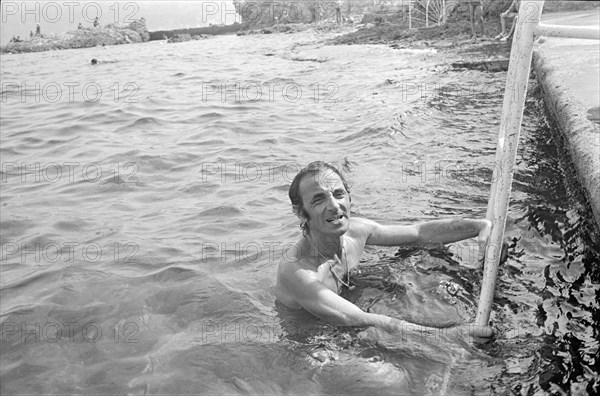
pixel 144 211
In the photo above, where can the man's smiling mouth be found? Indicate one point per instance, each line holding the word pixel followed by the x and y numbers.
pixel 335 218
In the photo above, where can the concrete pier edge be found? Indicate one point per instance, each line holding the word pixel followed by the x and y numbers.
pixel 577 135
pixel 581 135
pixel 570 106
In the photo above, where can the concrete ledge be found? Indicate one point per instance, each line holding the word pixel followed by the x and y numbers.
pixel 568 72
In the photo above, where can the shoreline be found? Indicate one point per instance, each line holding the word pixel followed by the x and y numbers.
pixel 375 27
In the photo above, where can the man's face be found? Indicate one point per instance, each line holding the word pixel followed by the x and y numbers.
pixel 326 202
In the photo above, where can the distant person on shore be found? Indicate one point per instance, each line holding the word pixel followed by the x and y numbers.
pixel 511 13
pixel 96 22
pixel 285 16
pixel 38 30
pixel 80 26
pixel 338 12
pixel 475 16
pixel 31 34
pixel 312 7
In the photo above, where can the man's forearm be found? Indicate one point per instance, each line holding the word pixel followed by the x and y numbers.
pixel 451 230
pixel 403 328
pixel 406 330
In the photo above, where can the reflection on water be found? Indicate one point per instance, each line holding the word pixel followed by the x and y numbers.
pixel 141 230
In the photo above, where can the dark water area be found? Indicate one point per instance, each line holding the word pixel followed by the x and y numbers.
pixel 141 229
pixel 567 308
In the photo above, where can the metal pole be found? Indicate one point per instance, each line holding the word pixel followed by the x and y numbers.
pixel 506 152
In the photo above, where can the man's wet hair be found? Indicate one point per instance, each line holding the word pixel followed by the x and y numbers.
pixel 314 168
pixel 94 61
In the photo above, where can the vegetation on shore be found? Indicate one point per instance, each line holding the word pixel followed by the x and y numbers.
pixel 393 27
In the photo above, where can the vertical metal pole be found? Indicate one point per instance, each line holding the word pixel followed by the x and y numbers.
pixel 427 14
pixel 506 152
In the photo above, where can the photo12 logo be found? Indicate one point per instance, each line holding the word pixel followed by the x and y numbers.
pixel 252 91
pixel 70 11
pixel 67 252
pixel 53 332
pixel 218 332
pixel 431 91
pixel 68 172
pixel 69 91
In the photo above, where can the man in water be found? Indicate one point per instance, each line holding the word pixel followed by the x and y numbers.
pixel 312 274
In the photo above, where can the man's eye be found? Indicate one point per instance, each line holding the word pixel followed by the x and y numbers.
pixel 340 194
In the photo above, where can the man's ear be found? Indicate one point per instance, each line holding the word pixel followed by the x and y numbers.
pixel 300 214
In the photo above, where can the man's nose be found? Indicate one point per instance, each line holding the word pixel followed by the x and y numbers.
pixel 332 203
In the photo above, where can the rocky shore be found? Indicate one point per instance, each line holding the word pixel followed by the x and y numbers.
pixel 134 32
pixel 369 22
pixel 392 26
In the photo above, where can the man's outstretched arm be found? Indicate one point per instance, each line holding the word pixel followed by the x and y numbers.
pixel 452 230
pixel 435 231
pixel 430 232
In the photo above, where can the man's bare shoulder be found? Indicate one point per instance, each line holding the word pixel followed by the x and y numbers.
pixel 289 265
pixel 361 227
pixel 362 221
pixel 291 270
pixel 292 261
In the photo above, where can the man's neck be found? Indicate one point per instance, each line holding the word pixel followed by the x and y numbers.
pixel 324 246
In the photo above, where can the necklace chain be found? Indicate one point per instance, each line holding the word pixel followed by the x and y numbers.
pixel 337 278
